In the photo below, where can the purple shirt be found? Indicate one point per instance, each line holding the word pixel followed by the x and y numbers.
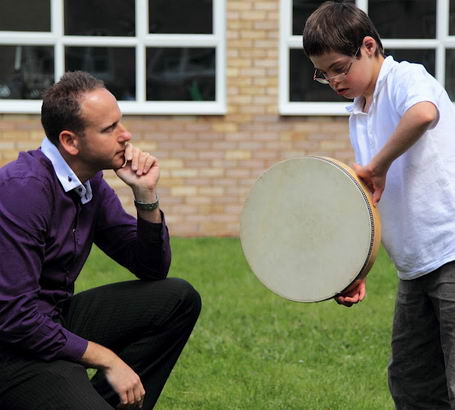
pixel 45 238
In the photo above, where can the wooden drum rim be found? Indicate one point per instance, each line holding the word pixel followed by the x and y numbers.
pixel 366 253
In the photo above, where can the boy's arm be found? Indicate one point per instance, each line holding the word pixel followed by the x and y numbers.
pixel 415 121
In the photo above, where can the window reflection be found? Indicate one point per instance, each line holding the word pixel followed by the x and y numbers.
pixel 181 17
pixel 404 18
pixel 302 87
pixel 25 71
pixel 421 56
pixel 301 10
pixel 452 18
pixel 450 73
pixel 100 18
pixel 25 15
pixel 180 74
pixel 114 65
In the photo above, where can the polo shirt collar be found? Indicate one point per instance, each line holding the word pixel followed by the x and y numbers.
pixel 66 176
pixel 387 65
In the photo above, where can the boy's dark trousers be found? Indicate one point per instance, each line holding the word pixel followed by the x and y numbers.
pixel 147 323
pixel 422 368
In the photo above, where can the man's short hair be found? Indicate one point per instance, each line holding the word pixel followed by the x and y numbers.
pixel 338 27
pixel 61 109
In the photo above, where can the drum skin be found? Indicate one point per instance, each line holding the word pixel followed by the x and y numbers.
pixel 309 229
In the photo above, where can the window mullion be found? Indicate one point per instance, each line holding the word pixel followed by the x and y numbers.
pixel 57 22
pixel 442 32
pixel 142 17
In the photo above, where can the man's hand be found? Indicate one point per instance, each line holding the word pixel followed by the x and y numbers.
pixel 353 295
pixel 140 170
pixel 126 383
pixel 123 380
pixel 373 178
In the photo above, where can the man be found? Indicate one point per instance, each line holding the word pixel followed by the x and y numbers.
pixel 54 204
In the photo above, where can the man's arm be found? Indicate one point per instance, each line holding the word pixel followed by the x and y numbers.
pixel 26 205
pixel 123 380
pixel 141 246
pixel 415 121
pixel 141 172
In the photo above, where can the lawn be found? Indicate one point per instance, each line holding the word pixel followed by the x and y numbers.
pixel 254 350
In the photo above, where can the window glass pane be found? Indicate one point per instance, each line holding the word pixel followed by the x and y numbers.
pixel 180 74
pixel 425 57
pixel 301 10
pixel 25 15
pixel 181 17
pixel 452 18
pixel 25 71
pixel 404 18
pixel 100 18
pixel 450 73
pixel 114 65
pixel 302 87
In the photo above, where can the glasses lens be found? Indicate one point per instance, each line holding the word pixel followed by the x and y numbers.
pixel 320 78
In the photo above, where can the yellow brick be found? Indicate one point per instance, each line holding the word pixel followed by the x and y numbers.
pixel 211 191
pixel 183 190
pixel 238 154
pixel 212 172
pixel 225 127
pixel 184 173
pixel 171 163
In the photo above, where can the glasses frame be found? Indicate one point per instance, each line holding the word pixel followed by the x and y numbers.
pixel 338 77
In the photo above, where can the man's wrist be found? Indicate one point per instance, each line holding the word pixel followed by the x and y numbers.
pixel 147 206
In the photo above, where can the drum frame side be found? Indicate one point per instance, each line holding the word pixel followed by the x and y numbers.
pixel 375 218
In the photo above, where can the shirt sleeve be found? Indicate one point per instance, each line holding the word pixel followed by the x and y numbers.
pixel 138 245
pixel 25 208
pixel 415 85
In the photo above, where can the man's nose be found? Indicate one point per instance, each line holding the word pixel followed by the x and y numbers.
pixel 125 135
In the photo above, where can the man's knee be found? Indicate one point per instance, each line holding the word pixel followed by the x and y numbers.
pixel 189 297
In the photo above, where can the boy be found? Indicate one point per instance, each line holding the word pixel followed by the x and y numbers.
pixel 401 129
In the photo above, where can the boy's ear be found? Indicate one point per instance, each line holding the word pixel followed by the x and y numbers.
pixel 69 141
pixel 370 45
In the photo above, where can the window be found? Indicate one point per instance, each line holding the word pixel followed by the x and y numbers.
pixel 156 56
pixel 420 31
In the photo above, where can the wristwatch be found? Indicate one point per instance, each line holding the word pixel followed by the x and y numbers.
pixel 147 206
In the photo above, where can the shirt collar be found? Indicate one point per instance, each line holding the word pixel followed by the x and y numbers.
pixel 64 173
pixel 387 65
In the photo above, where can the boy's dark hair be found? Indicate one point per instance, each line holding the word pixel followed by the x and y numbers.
pixel 339 27
pixel 61 109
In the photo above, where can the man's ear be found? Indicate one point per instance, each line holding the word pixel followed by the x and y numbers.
pixel 69 141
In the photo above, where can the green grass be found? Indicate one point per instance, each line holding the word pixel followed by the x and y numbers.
pixel 254 350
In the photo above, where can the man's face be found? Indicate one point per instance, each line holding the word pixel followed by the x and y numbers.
pixel 102 145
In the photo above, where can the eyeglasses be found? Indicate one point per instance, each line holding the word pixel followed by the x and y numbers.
pixel 322 78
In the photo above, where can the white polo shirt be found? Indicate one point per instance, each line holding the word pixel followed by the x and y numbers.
pixel 418 204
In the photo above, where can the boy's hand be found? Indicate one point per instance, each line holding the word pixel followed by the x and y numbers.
pixel 373 179
pixel 354 295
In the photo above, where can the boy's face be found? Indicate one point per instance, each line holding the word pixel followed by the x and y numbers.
pixel 348 76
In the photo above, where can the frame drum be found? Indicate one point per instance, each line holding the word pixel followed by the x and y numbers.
pixel 309 228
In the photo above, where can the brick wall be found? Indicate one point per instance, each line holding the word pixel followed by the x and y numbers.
pixel 209 163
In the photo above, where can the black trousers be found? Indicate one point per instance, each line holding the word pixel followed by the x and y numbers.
pixel 147 323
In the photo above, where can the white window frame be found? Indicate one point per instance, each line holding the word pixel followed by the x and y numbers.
pixel 141 41
pixel 440 44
